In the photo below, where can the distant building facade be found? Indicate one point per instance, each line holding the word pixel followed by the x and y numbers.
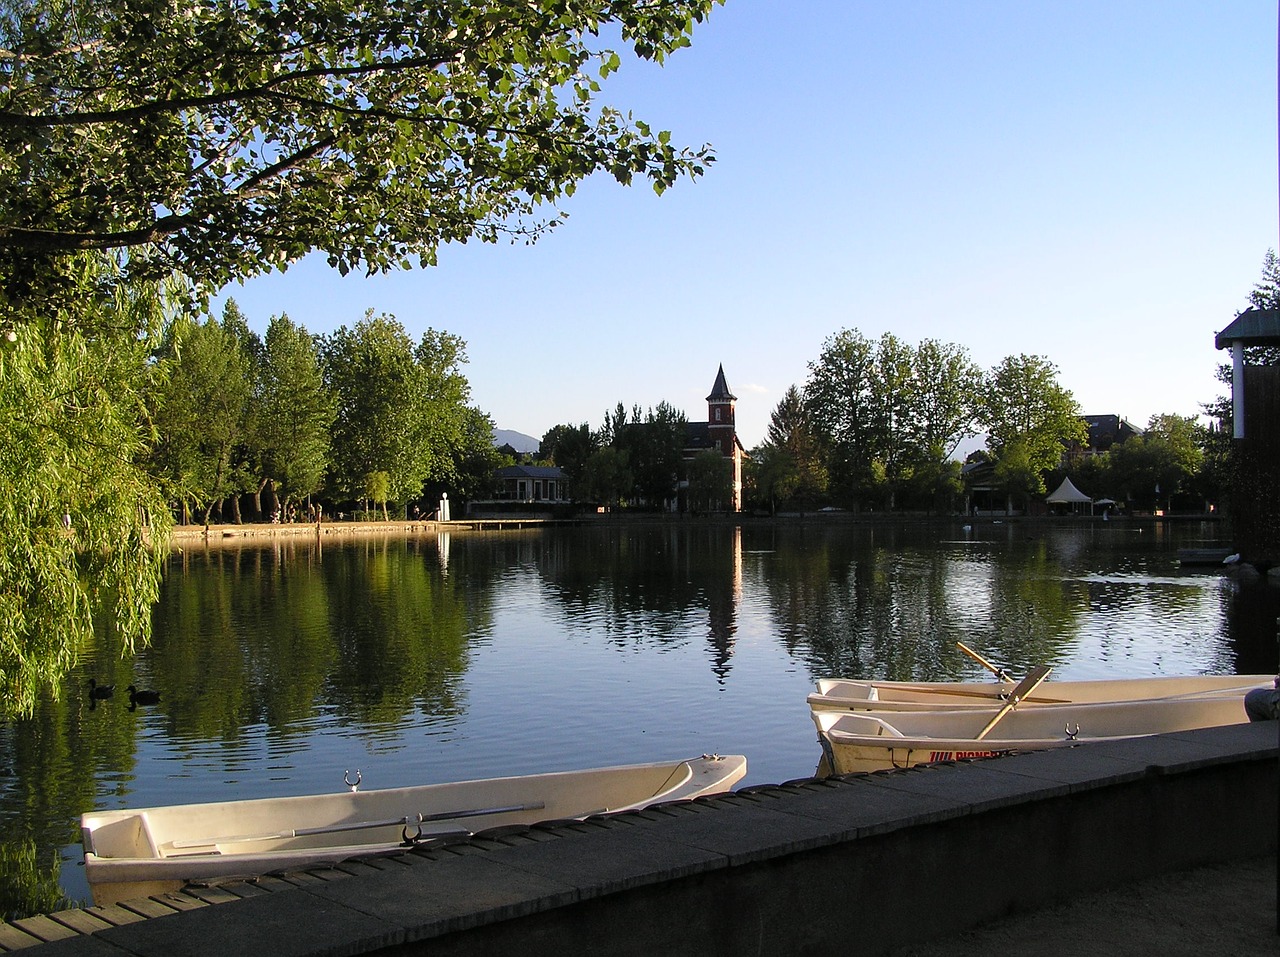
pixel 1106 431
pixel 533 484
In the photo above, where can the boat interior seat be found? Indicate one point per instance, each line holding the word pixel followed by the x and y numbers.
pixel 130 836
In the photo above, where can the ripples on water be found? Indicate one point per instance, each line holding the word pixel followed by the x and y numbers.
pixel 473 655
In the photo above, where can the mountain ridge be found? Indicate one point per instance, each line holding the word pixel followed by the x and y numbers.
pixel 517 440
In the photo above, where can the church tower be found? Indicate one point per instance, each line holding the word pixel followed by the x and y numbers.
pixel 720 427
pixel 722 434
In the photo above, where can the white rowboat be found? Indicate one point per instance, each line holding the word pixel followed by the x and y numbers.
pixel 842 694
pixel 874 740
pixel 140 852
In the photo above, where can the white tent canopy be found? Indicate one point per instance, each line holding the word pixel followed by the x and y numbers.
pixel 1067 493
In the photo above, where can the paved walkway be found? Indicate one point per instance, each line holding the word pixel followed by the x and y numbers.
pixel 1213 910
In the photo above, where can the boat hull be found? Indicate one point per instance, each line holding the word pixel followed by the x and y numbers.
pixel 140 852
pixel 855 741
pixel 839 694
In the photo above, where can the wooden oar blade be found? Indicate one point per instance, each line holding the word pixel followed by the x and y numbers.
pixel 1024 688
pixel 1030 682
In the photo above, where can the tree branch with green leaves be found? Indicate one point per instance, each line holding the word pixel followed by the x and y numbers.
pixel 225 140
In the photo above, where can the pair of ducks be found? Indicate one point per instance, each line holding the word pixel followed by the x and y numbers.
pixel 99 692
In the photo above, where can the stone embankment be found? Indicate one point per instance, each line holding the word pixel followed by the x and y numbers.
pixel 184 535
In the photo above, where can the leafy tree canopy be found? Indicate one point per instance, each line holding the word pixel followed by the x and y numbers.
pixel 889 413
pixel 569 447
pixel 201 414
pixel 222 140
pixel 295 411
pixel 789 464
pixel 1025 403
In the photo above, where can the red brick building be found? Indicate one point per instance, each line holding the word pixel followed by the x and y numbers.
pixel 719 433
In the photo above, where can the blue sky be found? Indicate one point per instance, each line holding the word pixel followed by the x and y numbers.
pixel 1094 182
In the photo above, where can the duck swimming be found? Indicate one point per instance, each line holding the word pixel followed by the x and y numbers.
pixel 137 697
pixel 99 692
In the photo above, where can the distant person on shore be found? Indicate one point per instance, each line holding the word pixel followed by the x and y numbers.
pixel 1263 704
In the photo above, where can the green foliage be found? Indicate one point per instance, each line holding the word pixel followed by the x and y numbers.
pixel 1030 420
pixel 474 458
pixel 788 468
pixel 569 447
pixel 202 412
pixel 606 477
pixel 371 373
pixel 400 408
pixel 889 414
pixel 377 489
pixel 653 444
pixel 79 516
pixel 293 412
pixel 225 140
pixel 841 403
pixel 1151 469
pixel 948 388
pixel 141 141
pixel 1020 469
pixel 939 486
pixel 446 429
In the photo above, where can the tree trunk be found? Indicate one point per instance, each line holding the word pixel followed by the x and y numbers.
pixel 257 499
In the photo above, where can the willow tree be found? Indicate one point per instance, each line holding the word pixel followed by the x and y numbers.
pixel 82 522
pixel 219 141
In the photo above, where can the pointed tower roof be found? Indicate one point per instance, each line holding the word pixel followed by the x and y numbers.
pixel 720 391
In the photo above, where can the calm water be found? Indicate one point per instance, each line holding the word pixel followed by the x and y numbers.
pixel 473 655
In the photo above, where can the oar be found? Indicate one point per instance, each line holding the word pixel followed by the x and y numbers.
pixel 1024 688
pixel 991 697
pixel 360 825
pixel 994 669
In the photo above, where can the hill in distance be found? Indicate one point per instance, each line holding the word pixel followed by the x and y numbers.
pixel 517 440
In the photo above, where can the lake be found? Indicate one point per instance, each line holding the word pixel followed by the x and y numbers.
pixel 282 667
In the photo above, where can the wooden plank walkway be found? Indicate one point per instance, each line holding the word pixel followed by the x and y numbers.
pixel 42 929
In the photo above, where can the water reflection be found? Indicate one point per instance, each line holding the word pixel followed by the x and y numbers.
pixel 469 655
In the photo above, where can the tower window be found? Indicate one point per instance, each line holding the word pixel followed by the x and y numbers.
pixel 717 415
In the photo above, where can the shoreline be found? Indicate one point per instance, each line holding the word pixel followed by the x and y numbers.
pixel 215 534
pixel 182 535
